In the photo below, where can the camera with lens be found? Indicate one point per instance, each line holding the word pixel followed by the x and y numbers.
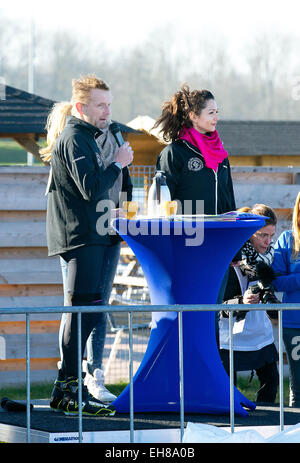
pixel 264 275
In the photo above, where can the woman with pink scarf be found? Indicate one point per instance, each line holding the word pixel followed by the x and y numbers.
pixel 195 163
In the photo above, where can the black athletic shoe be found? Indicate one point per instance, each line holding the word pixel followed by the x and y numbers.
pixel 57 395
pixel 90 405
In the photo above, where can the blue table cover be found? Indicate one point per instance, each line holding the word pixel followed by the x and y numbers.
pixel 184 262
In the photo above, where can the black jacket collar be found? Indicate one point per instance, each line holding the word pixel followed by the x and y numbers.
pixel 73 121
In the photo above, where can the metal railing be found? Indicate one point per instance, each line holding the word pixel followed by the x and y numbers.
pixel 27 311
pixel 142 178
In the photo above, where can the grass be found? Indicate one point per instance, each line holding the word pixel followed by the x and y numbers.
pixel 11 153
pixel 249 389
pixel 43 390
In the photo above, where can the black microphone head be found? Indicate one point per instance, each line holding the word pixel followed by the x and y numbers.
pixel 114 128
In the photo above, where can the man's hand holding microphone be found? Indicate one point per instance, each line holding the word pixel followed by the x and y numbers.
pixel 124 156
pixel 125 153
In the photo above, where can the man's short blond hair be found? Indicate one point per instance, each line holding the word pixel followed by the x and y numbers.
pixel 57 118
pixel 82 88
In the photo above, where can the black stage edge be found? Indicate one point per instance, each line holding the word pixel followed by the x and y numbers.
pixel 43 419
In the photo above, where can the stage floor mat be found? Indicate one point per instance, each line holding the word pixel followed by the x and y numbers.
pixel 47 426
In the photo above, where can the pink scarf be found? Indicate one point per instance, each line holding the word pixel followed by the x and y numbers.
pixel 210 146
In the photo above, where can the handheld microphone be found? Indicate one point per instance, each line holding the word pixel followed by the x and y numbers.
pixel 115 130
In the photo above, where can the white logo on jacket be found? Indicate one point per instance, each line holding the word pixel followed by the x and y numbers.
pixel 195 164
pixel 99 160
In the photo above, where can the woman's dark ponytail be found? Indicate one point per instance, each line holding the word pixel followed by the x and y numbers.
pixel 176 112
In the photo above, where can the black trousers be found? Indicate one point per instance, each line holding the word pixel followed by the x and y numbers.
pixel 291 338
pixel 85 288
pixel 269 379
pixel 267 374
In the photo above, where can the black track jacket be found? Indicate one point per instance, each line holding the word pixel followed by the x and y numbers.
pixel 188 178
pixel 79 183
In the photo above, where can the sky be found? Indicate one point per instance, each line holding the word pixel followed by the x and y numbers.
pixel 122 24
pixel 132 20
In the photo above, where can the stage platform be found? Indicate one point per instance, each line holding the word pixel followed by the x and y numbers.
pixel 50 427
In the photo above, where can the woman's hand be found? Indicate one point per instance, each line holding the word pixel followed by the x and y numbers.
pixel 250 298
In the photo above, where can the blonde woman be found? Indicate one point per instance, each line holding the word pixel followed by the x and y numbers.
pixel 84 174
pixel 287 265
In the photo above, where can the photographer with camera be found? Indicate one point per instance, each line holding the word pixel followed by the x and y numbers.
pixel 250 282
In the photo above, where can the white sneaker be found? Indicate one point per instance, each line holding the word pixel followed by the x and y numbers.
pixel 95 385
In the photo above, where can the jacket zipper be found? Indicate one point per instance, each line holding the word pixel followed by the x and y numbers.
pixel 216 190
pixel 216 178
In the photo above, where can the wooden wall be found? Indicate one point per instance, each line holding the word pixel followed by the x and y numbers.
pixel 147 147
pixel 276 187
pixel 28 278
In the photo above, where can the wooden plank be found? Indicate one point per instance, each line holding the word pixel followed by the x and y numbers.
pixel 33 316
pixel 42 271
pixel 265 160
pixel 130 281
pixel 280 160
pixel 244 160
pixel 20 252
pixel 30 271
pixel 36 326
pixel 44 364
pixel 266 169
pixel 126 251
pixel 28 291
pixel 30 145
pixel 25 216
pixel 15 197
pixel 24 174
pixel 24 234
pixel 31 301
pixel 283 178
pixel 131 269
pixel 45 355
pixel 41 345
pixel 279 197
pixel 21 170
pixel 35 364
pixel 284 214
pixel 33 277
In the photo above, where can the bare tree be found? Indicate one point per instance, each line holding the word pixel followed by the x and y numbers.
pixel 144 76
pixel 268 59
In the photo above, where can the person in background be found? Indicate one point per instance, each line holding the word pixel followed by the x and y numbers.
pixel 253 340
pixel 82 182
pixel 286 266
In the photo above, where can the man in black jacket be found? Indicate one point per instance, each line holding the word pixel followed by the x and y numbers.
pixel 80 190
